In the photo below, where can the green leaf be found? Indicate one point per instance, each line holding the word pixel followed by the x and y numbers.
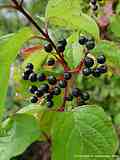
pixel 74 51
pixel 83 134
pixel 67 14
pixel 8 52
pixel 110 50
pixel 23 130
pixel 114 26
pixel 37 59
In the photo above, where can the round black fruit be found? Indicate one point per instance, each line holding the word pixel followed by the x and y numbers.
pixel 96 72
pixel 89 62
pixel 34 99
pixel 33 77
pixel 76 92
pixel 86 71
pixel 44 87
pixel 60 47
pixel 63 42
pixel 48 47
pixel 67 75
pixel 56 91
pixel 39 92
pixel 101 59
pixel 25 76
pixel 41 77
pixel 103 69
pixel 30 66
pixel 82 40
pixel 49 104
pixel 52 80
pixel 62 83
pixel 90 45
pixel 93 2
pixel 85 96
pixel 51 62
pixel 32 89
pixel 48 96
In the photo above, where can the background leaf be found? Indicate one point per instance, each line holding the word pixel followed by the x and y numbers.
pixel 23 130
pixel 8 52
pixel 67 14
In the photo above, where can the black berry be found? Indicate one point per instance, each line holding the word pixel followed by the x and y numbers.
pixel 32 89
pixel 96 72
pixel 90 45
pixel 51 62
pixel 56 91
pixel 25 76
pixel 62 83
pixel 48 47
pixel 60 47
pixel 28 71
pixel 30 66
pixel 89 62
pixel 93 2
pixel 39 92
pixel 85 96
pixel 44 87
pixel 52 80
pixel 63 42
pixel 76 92
pixel 41 77
pixel 49 104
pixel 95 7
pixel 34 99
pixel 48 96
pixel 67 75
pixel 33 77
pixel 82 40
pixel 101 59
pixel 103 69
pixel 86 71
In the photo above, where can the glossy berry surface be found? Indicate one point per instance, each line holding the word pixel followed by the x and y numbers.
pixel 60 47
pixel 63 42
pixel 33 77
pixel 89 62
pixel 90 45
pixel 103 69
pixel 62 83
pixel 30 66
pixel 44 87
pixel 93 2
pixel 52 80
pixel 48 96
pixel 25 76
pixel 96 72
pixel 76 92
pixel 51 62
pixel 32 89
pixel 39 93
pixel 82 40
pixel 49 104
pixel 34 99
pixel 67 75
pixel 86 71
pixel 28 71
pixel 48 47
pixel 85 96
pixel 56 91
pixel 101 59
pixel 95 7
pixel 41 77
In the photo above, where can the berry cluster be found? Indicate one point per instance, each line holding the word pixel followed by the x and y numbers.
pixel 89 42
pixel 94 5
pixel 60 46
pixel 98 69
